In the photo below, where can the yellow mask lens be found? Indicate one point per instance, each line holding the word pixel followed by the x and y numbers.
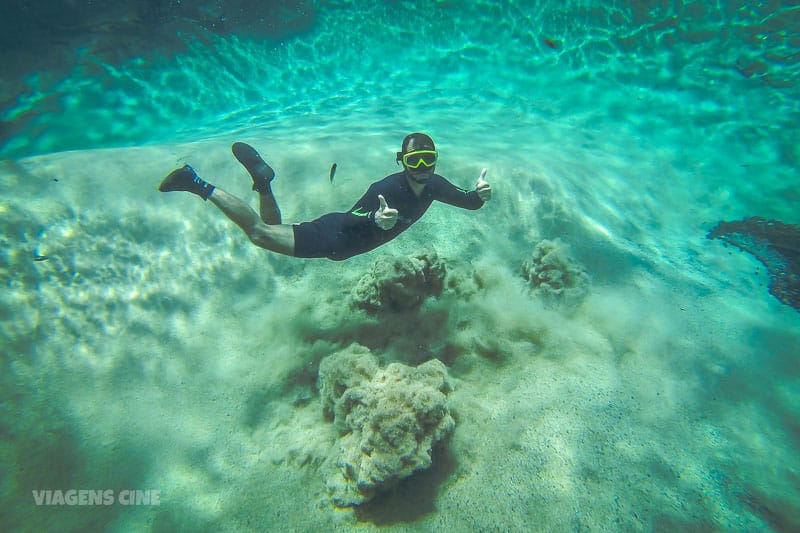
pixel 419 158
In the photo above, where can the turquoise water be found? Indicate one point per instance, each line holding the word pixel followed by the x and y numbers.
pixel 156 348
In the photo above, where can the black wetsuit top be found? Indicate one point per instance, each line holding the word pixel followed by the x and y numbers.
pixel 340 236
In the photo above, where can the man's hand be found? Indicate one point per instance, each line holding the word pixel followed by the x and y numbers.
pixel 385 216
pixel 483 189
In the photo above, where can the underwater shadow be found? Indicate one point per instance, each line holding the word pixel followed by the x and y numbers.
pixel 413 497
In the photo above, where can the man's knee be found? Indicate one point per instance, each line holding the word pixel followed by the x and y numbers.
pixel 259 236
pixel 276 238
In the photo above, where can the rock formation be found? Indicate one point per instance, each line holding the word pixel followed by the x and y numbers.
pixel 388 421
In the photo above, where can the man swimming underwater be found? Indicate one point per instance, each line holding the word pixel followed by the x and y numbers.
pixel 388 208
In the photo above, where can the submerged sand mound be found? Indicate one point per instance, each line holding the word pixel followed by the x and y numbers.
pixel 400 284
pixel 388 421
pixel 553 274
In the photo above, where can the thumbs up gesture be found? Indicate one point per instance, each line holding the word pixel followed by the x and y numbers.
pixel 483 188
pixel 385 216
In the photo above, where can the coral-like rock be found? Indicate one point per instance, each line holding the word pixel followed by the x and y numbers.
pixel 775 244
pixel 388 421
pixel 554 274
pixel 400 284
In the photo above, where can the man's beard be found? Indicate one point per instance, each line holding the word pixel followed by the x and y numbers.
pixel 420 177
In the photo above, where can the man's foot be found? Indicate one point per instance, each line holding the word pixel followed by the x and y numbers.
pixel 186 179
pixel 261 172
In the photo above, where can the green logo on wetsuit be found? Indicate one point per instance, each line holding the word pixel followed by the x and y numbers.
pixel 358 213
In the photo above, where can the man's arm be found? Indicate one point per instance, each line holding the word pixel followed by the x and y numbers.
pixel 367 205
pixel 372 209
pixel 450 194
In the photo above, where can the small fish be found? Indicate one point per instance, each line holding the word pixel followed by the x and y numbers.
pixel 37 257
pixel 333 171
pixel 551 43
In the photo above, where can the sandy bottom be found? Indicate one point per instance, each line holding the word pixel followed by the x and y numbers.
pixel 156 349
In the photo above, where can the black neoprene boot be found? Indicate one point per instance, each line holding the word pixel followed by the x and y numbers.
pixel 186 179
pixel 261 172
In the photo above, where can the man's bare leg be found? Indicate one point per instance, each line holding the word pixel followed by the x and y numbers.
pixel 268 207
pixel 274 237
pixel 262 175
